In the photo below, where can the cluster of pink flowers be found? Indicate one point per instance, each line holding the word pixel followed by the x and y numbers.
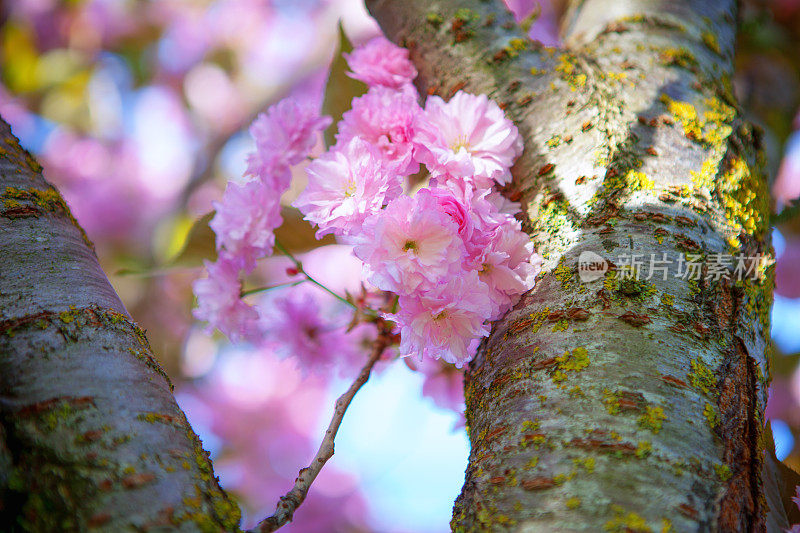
pixel 249 213
pixel 452 251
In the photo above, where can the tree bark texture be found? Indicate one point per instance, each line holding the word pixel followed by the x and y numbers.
pixel 617 405
pixel 90 435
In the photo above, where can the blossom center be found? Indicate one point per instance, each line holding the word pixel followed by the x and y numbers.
pixel 410 245
pixel 311 332
pixel 350 190
pixel 441 316
pixel 459 143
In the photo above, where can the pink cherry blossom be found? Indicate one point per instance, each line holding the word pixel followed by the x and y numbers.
pixel 284 136
pixel 457 208
pixel 443 322
pixel 380 62
pixel 454 253
pixel 310 325
pixel 787 282
pixel 487 207
pixel 385 118
pixel 269 169
pixel 444 383
pixel 289 129
pixel 467 137
pixel 496 245
pixel 787 185
pixel 410 245
pixel 219 302
pixel 345 186
pixel 476 218
pixel 508 266
pixel 502 207
pixel 294 320
pixel 545 26
pixel 246 220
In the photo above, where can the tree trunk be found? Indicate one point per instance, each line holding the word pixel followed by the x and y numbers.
pixel 90 435
pixel 617 404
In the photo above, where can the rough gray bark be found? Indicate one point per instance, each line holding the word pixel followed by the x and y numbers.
pixel 90 435
pixel 616 405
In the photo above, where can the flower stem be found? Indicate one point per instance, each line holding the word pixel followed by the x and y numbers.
pixel 255 290
pixel 299 266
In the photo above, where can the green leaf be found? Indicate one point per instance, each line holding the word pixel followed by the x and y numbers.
pixel 194 244
pixel 297 235
pixel 180 243
pixel 341 88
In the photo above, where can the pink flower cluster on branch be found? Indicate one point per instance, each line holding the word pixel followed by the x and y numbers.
pixel 451 252
pixel 410 190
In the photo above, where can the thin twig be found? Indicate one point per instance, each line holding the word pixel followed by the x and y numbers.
pixel 255 290
pixel 299 266
pixel 294 498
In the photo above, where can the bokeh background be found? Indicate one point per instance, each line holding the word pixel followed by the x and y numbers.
pixel 138 111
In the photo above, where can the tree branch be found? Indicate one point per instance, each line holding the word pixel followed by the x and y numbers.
pixel 295 497
pixel 633 145
pixel 90 434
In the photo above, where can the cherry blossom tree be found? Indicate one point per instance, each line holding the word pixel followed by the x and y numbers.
pixel 613 402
